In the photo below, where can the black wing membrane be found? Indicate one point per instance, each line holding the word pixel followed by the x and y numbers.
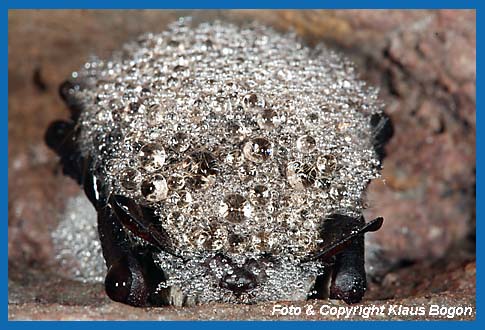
pixel 140 221
pixel 338 231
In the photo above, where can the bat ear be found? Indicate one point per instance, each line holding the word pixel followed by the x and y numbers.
pixel 338 231
pixel 61 137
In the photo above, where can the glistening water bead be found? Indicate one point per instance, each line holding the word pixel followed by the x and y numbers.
pixel 130 178
pixel 152 157
pixel 240 139
pixel 235 208
pixel 306 144
pixel 154 188
pixel 258 149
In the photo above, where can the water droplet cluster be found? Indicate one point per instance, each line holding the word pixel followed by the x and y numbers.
pixel 241 139
pixel 76 242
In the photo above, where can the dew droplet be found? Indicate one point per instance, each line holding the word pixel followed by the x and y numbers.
pixel 259 195
pixel 335 193
pixel 221 105
pixel 130 178
pixel 136 107
pixel 247 173
pixel 173 82
pixel 237 131
pixel 219 238
pixel 154 114
pixel 237 243
pixel 250 101
pixel 287 220
pixel 155 188
pixel 152 156
pixel 176 181
pixel 180 142
pixel 258 149
pixel 322 183
pixel 234 157
pixel 326 164
pixel 300 175
pixel 306 144
pixel 271 242
pixel 145 92
pixel 269 119
pixel 312 118
pixel 343 126
pixel 104 116
pixel 235 208
pixel 181 71
pixel 199 237
pixel 201 163
pixel 185 199
pixel 200 181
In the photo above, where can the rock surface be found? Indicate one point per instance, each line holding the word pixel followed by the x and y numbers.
pixel 60 299
pixel 423 61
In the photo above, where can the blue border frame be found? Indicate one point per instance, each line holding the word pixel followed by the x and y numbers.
pixel 250 4
pixel 220 4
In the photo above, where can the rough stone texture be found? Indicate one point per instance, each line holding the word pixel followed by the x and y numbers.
pixel 424 63
pixel 59 299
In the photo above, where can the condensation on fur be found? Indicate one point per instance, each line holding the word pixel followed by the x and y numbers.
pixel 241 139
